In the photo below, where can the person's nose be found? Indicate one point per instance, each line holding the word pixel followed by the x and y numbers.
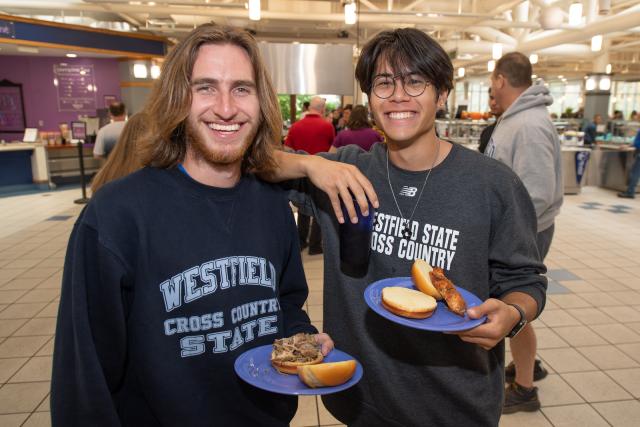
pixel 399 94
pixel 225 106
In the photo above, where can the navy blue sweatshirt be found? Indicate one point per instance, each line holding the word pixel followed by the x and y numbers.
pixel 166 282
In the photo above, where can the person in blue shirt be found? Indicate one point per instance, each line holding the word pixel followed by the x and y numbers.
pixel 591 130
pixel 634 175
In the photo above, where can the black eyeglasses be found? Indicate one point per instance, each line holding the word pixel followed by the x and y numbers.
pixel 413 85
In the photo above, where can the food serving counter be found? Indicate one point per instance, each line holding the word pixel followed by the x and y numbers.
pixel 22 164
pixel 64 164
pixel 613 163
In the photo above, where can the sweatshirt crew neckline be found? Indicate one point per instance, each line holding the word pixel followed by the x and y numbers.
pixel 201 189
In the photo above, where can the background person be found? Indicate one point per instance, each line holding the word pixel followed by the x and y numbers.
pixel 313 135
pixel 175 270
pixel 634 173
pixel 496 112
pixel 526 140
pixel 125 157
pixel 358 131
pixel 108 135
pixel 591 130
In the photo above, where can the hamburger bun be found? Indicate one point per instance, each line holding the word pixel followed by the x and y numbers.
pixel 292 367
pixel 327 374
pixel 422 279
pixel 408 302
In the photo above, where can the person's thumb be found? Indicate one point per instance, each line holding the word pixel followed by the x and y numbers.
pixel 480 310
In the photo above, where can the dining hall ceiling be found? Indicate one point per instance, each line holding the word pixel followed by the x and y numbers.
pixel 467 29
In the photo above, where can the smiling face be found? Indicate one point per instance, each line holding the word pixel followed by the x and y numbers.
pixel 225 109
pixel 404 119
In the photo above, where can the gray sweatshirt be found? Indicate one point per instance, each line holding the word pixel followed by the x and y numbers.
pixel 476 221
pixel 525 140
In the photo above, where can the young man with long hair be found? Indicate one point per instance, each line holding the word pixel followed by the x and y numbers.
pixel 175 270
pixel 439 201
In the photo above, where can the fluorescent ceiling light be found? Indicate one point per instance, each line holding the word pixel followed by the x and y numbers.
pixel 140 71
pixel 491 65
pixel 155 71
pixel 72 55
pixel 28 49
pixel 608 69
pixel 596 43
pixel 497 51
pixel 350 16
pixel 254 10
pixel 533 58
pixel 575 13
pixel 461 72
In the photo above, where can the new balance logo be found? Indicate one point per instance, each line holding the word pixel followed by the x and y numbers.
pixel 408 191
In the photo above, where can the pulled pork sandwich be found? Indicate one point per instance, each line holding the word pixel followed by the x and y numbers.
pixel 289 353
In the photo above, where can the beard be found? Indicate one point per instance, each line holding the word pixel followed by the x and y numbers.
pixel 222 156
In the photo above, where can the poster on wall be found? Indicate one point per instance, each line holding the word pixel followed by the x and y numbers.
pixel 76 87
pixel 12 118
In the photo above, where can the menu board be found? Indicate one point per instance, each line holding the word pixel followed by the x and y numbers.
pixel 11 107
pixel 76 87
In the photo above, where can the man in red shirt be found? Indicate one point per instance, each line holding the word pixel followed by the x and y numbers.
pixel 312 134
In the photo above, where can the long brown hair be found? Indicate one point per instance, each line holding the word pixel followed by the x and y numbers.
pixel 124 158
pixel 170 101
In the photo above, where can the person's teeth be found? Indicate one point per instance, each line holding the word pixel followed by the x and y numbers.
pixel 401 115
pixel 225 128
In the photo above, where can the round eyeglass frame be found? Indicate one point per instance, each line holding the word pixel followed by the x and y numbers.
pixel 393 79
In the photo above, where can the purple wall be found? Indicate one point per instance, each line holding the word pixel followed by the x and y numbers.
pixel 40 95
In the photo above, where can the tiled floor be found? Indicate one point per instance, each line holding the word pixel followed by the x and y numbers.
pixel 588 336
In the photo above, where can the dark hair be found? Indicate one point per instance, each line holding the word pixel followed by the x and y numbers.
pixel 347 107
pixel 170 101
pixel 406 48
pixel 359 118
pixel 117 109
pixel 516 68
pixel 305 105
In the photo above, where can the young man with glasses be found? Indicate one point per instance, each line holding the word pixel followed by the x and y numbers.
pixel 438 201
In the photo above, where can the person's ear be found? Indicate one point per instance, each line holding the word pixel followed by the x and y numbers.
pixel 442 99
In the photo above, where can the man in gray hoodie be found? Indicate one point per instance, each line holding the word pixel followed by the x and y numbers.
pixel 526 140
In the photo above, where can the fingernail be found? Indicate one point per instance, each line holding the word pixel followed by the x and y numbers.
pixel 341 220
pixel 354 220
pixel 365 212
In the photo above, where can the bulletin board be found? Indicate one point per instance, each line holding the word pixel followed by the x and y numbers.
pixel 12 117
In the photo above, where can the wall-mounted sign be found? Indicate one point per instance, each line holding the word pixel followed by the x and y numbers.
pixel 7 29
pixel 12 117
pixel 75 86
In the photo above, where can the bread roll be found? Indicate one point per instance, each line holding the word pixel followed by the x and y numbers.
pixel 327 374
pixel 408 302
pixel 421 278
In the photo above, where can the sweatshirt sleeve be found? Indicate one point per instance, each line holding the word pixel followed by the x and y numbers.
pixel 534 163
pixel 514 263
pixel 293 289
pixel 90 345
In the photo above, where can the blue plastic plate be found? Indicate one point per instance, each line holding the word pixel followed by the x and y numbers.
pixel 254 366
pixel 442 320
